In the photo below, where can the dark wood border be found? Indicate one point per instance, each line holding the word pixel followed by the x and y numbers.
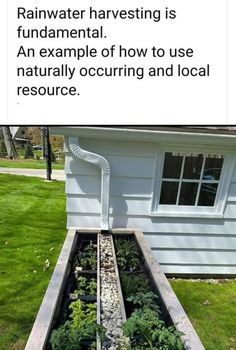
pixel 44 320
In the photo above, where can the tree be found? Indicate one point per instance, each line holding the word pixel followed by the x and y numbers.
pixel 3 150
pixel 35 134
pixel 57 142
pixel 10 147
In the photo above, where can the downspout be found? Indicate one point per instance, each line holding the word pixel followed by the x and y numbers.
pixel 77 151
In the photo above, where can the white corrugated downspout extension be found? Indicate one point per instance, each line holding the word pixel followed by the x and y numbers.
pixel 100 161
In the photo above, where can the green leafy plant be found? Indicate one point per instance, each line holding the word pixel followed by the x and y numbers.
pixel 145 329
pixel 87 259
pixel 82 312
pixel 64 339
pixel 82 282
pixel 133 284
pixel 92 286
pixel 90 248
pixel 127 255
pixel 86 286
pixel 145 300
pixel 81 326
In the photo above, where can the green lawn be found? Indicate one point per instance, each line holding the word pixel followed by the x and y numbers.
pixel 32 229
pixel 29 163
pixel 212 310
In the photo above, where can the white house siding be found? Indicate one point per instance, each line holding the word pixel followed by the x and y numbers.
pixel 181 245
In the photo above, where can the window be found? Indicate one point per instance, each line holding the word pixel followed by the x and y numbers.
pixel 190 179
pixel 191 184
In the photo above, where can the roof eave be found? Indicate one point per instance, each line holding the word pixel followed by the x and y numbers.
pixel 159 136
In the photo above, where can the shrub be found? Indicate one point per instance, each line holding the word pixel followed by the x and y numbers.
pixel 28 151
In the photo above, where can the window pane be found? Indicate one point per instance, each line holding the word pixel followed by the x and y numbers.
pixel 212 169
pixel 207 194
pixel 172 166
pixel 188 193
pixel 193 167
pixel 169 192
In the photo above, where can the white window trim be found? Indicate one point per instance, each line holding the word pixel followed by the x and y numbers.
pixel 192 211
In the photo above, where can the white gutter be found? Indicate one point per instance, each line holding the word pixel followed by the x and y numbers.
pixel 77 151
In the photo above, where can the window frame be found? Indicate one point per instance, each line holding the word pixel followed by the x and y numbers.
pixel 216 211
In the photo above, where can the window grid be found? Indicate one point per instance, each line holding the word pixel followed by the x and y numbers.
pixel 199 181
pixel 180 183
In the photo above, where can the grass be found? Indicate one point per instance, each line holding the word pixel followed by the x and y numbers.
pixel 32 229
pixel 29 163
pixel 212 310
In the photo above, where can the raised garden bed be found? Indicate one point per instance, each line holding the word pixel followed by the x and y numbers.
pixel 72 312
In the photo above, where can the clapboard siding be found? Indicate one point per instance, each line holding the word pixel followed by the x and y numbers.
pixel 158 225
pixel 106 147
pixel 127 148
pixel 196 257
pixel 120 186
pixel 120 166
pixel 123 206
pixel 83 185
pixel 188 241
pixel 79 167
pixel 230 210
pixel 118 206
pixel 181 244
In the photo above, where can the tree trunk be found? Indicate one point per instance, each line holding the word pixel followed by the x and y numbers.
pixel 11 149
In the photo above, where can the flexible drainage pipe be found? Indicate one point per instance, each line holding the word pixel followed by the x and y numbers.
pixel 77 151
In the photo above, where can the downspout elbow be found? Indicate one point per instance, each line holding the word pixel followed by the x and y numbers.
pixel 96 159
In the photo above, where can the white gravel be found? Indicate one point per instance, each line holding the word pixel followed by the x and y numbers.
pixel 111 317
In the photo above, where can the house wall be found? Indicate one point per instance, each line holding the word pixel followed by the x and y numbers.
pixel 182 244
